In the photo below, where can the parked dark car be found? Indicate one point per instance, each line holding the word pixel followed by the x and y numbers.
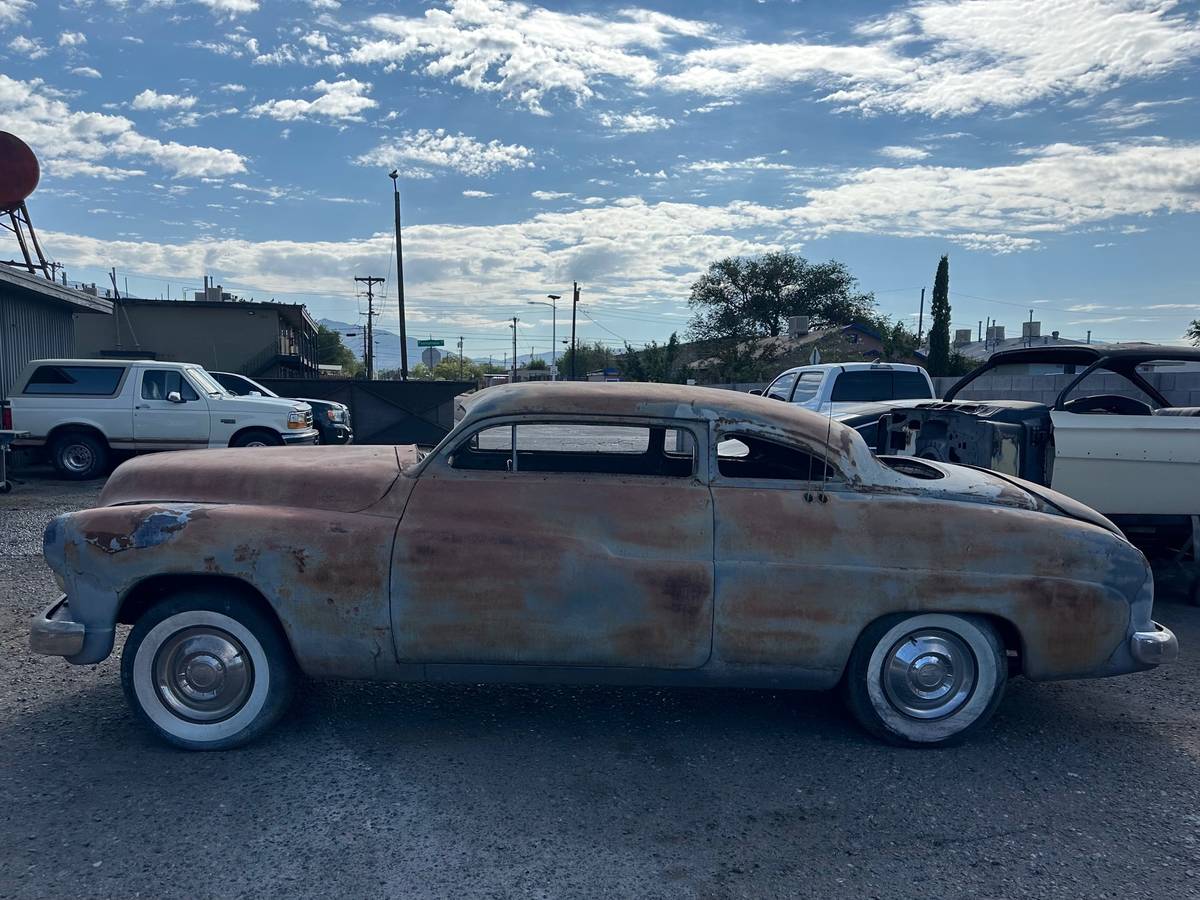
pixel 330 418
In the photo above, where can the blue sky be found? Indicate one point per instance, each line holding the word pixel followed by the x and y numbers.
pixel 1051 148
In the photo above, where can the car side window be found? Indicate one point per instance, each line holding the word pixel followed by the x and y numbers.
pixel 781 387
pixel 158 383
pixel 742 455
pixel 654 450
pixel 807 386
pixel 91 381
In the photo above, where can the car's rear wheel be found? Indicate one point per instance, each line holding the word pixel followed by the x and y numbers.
pixel 79 455
pixel 207 672
pixel 926 680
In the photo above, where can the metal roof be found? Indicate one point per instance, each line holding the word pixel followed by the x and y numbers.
pixel 44 289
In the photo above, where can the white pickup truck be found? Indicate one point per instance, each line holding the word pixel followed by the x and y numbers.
pixel 833 387
pixel 82 411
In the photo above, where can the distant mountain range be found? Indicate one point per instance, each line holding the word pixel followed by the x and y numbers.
pixel 387 346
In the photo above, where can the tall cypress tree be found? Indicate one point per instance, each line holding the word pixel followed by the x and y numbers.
pixel 939 330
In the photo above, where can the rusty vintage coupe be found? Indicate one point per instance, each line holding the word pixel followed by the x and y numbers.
pixel 645 534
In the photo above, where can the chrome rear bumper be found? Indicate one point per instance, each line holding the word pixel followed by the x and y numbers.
pixel 1153 648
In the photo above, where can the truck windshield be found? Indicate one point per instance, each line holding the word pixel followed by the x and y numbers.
pixel 206 382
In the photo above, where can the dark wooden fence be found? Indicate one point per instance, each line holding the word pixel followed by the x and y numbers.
pixel 384 412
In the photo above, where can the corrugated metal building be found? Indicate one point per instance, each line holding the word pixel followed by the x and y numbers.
pixel 37 321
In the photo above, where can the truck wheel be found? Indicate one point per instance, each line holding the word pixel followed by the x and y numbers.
pixel 257 437
pixel 207 672
pixel 926 680
pixel 78 455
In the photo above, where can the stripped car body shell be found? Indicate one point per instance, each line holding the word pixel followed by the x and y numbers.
pixel 392 566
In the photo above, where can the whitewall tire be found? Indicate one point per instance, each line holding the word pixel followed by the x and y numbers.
pixel 926 680
pixel 206 671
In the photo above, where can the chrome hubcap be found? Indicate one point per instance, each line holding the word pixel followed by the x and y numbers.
pixel 929 674
pixel 77 457
pixel 203 674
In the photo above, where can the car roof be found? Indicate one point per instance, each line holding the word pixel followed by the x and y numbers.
pixel 1089 353
pixel 102 362
pixel 854 367
pixel 665 401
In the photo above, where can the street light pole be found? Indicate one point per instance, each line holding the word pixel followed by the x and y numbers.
pixel 513 326
pixel 574 349
pixel 553 304
pixel 395 174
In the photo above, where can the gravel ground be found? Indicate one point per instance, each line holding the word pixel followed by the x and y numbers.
pixel 1079 789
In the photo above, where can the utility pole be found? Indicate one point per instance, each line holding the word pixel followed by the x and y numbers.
pixel 574 349
pixel 921 318
pixel 394 174
pixel 370 281
pixel 460 358
pixel 1029 337
pixel 513 326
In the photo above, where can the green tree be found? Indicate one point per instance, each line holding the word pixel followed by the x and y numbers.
pixel 537 363
pixel 332 352
pixel 939 330
pixel 740 297
pixel 1193 332
pixel 654 362
pixel 590 358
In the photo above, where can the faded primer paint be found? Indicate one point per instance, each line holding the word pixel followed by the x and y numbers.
pixel 383 565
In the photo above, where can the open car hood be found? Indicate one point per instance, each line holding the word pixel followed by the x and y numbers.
pixel 340 479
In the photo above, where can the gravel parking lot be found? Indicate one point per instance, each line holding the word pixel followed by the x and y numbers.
pixel 1080 789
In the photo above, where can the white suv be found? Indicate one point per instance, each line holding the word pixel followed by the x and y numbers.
pixel 81 410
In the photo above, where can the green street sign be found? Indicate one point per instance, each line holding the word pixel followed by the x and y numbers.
pixel 431 342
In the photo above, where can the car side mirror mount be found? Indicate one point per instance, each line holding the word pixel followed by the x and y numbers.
pixel 175 397
pixel 756 391
pixel 254 394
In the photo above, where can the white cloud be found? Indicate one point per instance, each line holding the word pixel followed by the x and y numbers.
pixel 477 194
pixel 954 57
pixel 86 72
pixel 635 122
pixel 152 99
pixel 525 52
pixel 31 47
pixel 232 88
pixel 628 247
pixel 72 39
pixel 1057 188
pixel 723 167
pixel 73 142
pixel 231 7
pixel 13 11
pixel 897 151
pixel 549 195
pixel 442 150
pixel 343 100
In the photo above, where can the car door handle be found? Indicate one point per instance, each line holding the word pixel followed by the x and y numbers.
pixel 142 406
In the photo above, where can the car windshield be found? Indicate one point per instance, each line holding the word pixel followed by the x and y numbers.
pixel 206 382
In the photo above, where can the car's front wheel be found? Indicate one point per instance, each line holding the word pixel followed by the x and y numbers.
pixel 926 680
pixel 206 671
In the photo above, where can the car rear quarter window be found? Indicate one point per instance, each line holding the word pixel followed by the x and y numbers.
pixel 743 455
pixel 90 381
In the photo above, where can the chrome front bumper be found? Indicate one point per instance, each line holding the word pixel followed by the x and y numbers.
pixel 1153 648
pixel 55 633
